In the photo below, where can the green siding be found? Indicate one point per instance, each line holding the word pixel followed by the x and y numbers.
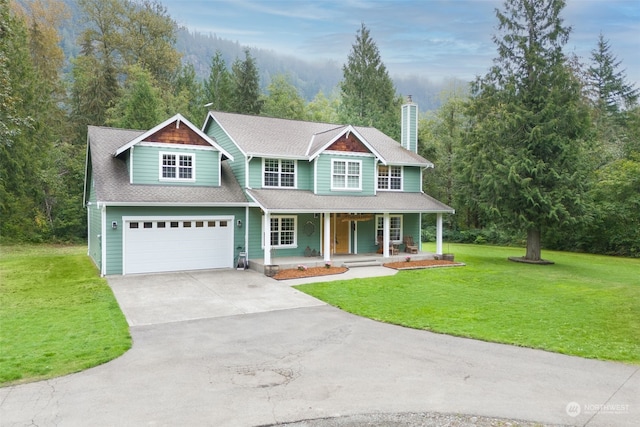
pixel 238 166
pixel 114 237
pixel 304 239
pixel 94 228
pixel 147 164
pixel 411 177
pixel 324 175
pixel 255 172
pixel 305 175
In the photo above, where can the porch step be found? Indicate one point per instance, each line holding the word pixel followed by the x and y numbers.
pixel 362 263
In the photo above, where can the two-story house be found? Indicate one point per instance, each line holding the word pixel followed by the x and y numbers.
pixel 179 198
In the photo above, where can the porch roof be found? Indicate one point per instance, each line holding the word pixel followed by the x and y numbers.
pixel 301 201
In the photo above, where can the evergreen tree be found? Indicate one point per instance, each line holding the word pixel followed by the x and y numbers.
pixel 218 88
pixel 368 94
pixel 607 82
pixel 284 100
pixel 140 106
pixel 188 96
pixel 526 157
pixel 246 86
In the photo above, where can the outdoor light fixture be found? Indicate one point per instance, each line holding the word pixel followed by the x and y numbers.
pixel 114 225
pixel 239 223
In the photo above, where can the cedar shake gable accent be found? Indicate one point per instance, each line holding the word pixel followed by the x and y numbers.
pixel 176 134
pixel 349 143
pixel 170 132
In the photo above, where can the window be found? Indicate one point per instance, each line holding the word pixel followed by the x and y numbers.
pixel 283 231
pixel 279 173
pixel 389 177
pixel 177 166
pixel 346 175
pixel 395 228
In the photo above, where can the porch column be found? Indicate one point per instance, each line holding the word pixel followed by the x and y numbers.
pixel 326 245
pixel 386 233
pixel 267 238
pixel 439 234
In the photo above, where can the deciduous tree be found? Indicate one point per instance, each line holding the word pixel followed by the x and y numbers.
pixel 283 100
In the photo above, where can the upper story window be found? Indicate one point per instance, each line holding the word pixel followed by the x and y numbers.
pixel 346 175
pixel 389 177
pixel 177 166
pixel 279 173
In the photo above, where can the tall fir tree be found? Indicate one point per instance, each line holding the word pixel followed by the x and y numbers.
pixel 607 82
pixel 218 87
pixel 526 156
pixel 368 93
pixel 246 86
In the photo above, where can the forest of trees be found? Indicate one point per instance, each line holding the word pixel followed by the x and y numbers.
pixel 543 151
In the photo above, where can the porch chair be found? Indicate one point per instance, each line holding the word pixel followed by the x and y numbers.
pixel 393 248
pixel 409 246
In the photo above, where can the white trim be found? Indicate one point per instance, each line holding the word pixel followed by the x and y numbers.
pixel 176 118
pixel 279 160
pixel 103 249
pixel 178 204
pixel 347 153
pixel 247 181
pixel 176 146
pixel 131 166
pixel 177 166
pixel 219 169
pixel 346 161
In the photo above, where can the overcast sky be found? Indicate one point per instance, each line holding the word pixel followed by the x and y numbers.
pixel 432 38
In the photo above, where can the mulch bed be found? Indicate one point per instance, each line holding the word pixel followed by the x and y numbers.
pixel 425 263
pixel 294 273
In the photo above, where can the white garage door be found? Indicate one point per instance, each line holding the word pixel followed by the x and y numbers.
pixel 175 244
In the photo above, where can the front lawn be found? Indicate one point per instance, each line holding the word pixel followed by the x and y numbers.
pixel 57 315
pixel 583 305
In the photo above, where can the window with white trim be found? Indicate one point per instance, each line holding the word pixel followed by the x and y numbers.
pixel 177 166
pixel 389 177
pixel 395 228
pixel 346 175
pixel 283 231
pixel 279 173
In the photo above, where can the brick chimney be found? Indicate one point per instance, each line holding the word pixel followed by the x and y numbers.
pixel 409 136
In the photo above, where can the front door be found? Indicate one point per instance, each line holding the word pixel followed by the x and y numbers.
pixel 340 235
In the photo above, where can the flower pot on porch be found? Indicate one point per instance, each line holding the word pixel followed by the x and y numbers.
pixel 271 270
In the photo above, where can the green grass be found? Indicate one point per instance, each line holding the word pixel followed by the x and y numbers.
pixel 584 305
pixel 57 315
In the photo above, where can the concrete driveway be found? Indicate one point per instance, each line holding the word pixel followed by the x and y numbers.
pixel 313 361
pixel 175 297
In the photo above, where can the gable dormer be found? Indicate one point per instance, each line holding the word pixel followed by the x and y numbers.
pixel 173 153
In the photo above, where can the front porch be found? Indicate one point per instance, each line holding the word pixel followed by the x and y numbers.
pixel 346 260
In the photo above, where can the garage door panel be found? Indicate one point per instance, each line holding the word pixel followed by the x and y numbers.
pixel 160 249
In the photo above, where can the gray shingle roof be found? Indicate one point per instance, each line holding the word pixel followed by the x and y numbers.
pixel 266 136
pixel 112 178
pixel 290 201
